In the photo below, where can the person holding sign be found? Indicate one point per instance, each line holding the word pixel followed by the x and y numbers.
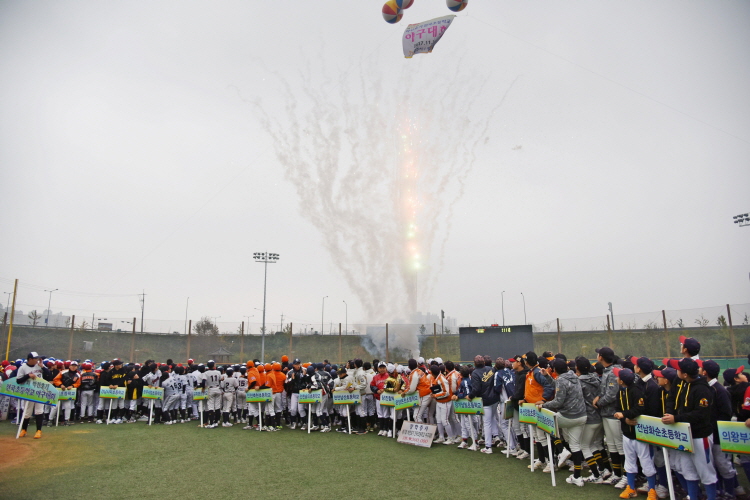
pixel 606 402
pixel 66 380
pixel 631 404
pixel 483 385
pixel 538 389
pixel 721 410
pixel 31 370
pixel 295 382
pixel 441 392
pixel 345 382
pixel 571 420
pixel 693 405
pixel 377 386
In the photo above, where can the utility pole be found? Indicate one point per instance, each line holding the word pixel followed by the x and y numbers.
pixel 143 306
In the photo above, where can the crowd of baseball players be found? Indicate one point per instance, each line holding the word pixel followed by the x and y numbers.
pixel 597 405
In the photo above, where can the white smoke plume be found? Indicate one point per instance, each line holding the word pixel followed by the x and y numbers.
pixel 378 165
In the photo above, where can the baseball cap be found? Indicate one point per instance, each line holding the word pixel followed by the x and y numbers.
pixel 711 368
pixel 32 355
pixel 420 360
pixel 688 366
pixel 116 362
pixel 671 363
pixel 626 375
pixel 515 359
pixel 605 352
pixel 643 363
pixel 74 362
pixel 383 364
pixel 296 361
pixel 690 343
pixel 667 373
pixel 389 367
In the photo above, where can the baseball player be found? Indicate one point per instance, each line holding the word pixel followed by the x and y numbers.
pixel 31 370
pixel 212 379
pixel 228 385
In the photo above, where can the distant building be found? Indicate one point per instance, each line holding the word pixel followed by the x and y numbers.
pixel 428 318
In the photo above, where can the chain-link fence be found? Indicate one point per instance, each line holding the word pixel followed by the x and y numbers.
pixel 724 332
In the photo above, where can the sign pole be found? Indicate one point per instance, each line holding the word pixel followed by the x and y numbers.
pixel 309 417
pixel 669 473
pixel 260 417
pixel 393 414
pixel 473 431
pixel 150 411
pixel 531 445
pixel 57 414
pixel 23 417
pixel 200 410
pixel 551 459
pixel 348 420
pixel 507 439
pixel 109 413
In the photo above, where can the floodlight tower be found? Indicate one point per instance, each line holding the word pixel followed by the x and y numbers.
pixel 742 220
pixel 264 258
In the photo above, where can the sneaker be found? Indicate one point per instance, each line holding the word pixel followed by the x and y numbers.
pixel 293 426
pixel 360 432
pixel 628 493
pixel 131 421
pixel 448 441
pixel 487 451
pixel 652 494
pixel 663 491
pixel 643 489
pixel 99 421
pixel 143 418
pixel 14 421
pixel 314 428
pixel 606 473
pixel 578 481
pixel 168 422
pixel 473 447
pixel 22 434
pixel 381 433
pixel 523 455
pixel 564 456
pixel 738 490
pixel 513 452
pixel 593 479
pixel 495 440
pixel 38 435
pixel 480 442
pixel 537 464
pixel 325 429
pixel 342 429
pixel 613 480
pixel 623 483
pixel 439 440
pixel 548 468
pixel 278 428
pixel 304 427
pixel 118 421
pixel 247 428
pixel 463 445
pixel 390 434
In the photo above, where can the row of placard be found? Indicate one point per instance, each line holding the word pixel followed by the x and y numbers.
pixel 734 437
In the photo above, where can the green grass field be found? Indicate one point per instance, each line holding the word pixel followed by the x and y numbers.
pixel 186 462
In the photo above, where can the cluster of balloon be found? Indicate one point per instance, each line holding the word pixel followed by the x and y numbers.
pixel 393 10
pixel 456 5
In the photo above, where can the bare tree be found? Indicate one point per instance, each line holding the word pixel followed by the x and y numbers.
pixel 34 317
pixel 703 322
pixel 205 327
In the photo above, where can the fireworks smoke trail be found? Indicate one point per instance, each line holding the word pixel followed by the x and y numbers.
pixel 378 169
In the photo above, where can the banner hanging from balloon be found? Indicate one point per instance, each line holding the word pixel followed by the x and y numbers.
pixel 421 38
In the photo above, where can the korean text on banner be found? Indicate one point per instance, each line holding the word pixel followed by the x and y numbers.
pixel 675 436
pixel 107 393
pixel 198 394
pixel 527 413
pixel 37 391
pixel 259 396
pixel 346 398
pixel 546 420
pixel 734 437
pixel 421 38
pixel 387 399
pixel 417 434
pixel 67 394
pixel 153 393
pixel 469 406
pixel 310 397
pixel 409 400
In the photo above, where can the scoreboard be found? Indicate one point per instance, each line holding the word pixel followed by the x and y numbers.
pixel 505 341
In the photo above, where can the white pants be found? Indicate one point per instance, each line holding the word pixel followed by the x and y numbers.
pixel 591 439
pixel 490 424
pixel 636 451
pixel 228 402
pixel 171 402
pixel 723 462
pixel 65 405
pixel 443 419
pixel 368 404
pixel 116 403
pixel 321 408
pixel 295 407
pixel 467 421
pixel 213 399
pixel 383 411
pixel 613 431
pixel 424 408
pixel 572 429
pixel 698 465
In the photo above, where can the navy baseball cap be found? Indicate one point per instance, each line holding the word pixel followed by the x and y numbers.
pixel 711 368
pixel 296 361
pixel 667 373
pixel 690 343
pixel 688 366
pixel 643 363
pixel 605 352
pixel 626 375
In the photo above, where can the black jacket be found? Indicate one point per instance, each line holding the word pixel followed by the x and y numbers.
pixel 520 387
pixel 693 404
pixel 721 409
pixel 652 394
pixel 483 384
pixel 632 403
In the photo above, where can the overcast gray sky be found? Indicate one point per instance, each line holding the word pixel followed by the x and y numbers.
pixel 133 157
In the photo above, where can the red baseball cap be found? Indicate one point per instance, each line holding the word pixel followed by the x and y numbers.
pixel 671 363
pixel 740 370
pixel 657 373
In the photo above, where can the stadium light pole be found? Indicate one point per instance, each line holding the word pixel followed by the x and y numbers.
pixel 264 258
pixel 524 308
pixel 322 314
pixel 346 319
pixel 611 314
pixel 742 220
pixel 502 305
pixel 49 303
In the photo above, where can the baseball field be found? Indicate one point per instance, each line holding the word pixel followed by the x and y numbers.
pixel 186 462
